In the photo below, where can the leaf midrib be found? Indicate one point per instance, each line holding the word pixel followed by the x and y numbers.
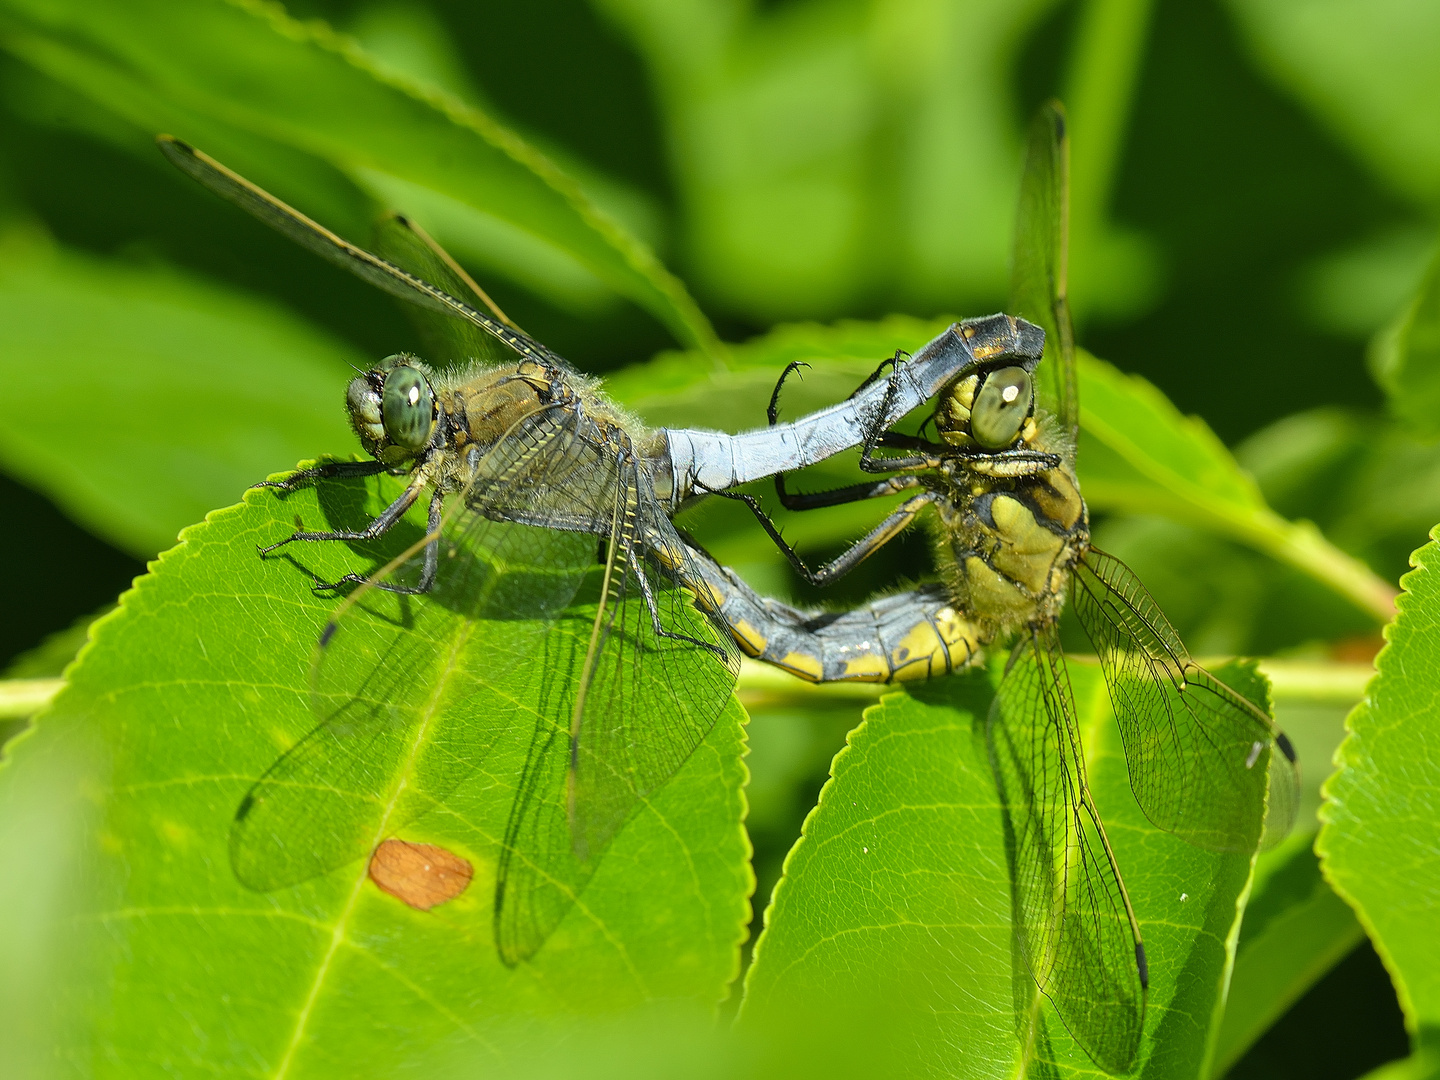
pixel 462 634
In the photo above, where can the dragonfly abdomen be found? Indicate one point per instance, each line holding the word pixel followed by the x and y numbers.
pixel 909 636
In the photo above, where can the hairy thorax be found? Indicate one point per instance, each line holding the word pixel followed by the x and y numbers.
pixel 1007 544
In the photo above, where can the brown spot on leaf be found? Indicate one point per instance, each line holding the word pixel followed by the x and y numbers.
pixel 422 875
pixel 1357 650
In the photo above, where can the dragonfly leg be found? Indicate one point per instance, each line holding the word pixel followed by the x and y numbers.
pixel 647 591
pixel 893 362
pixel 868 463
pixel 427 571
pixel 329 471
pixel 890 527
pixel 930 457
pixel 874 489
pixel 377 528
pixel 773 411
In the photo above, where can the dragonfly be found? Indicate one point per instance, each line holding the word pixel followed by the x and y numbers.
pixel 997 481
pixel 542 497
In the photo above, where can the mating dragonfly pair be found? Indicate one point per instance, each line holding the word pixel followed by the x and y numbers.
pixel 525 464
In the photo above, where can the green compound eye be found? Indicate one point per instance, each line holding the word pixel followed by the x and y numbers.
pixel 407 407
pixel 1001 408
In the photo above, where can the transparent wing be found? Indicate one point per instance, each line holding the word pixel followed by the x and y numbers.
pixel 409 691
pixel 446 340
pixel 648 675
pixel 320 240
pixel 1038 263
pixel 1201 756
pixel 1072 919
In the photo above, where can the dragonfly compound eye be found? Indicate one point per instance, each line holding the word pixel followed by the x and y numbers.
pixel 407 407
pixel 1000 408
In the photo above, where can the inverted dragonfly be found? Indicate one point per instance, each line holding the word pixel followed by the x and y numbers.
pixel 998 484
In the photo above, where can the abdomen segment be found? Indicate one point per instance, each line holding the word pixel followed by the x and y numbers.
pixel 908 636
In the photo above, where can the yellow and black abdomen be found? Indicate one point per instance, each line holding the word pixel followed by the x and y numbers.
pixel 913 635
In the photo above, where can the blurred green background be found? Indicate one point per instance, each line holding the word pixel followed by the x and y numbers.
pixel 1255 193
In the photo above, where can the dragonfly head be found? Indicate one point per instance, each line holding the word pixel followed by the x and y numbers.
pixel 988 408
pixel 393 409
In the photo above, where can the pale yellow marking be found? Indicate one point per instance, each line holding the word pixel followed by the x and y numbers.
pixel 866 668
pixel 750 640
pixel 919 642
pixel 991 592
pixel 1059 499
pixel 707 597
pixel 1028 549
pixel 802 666
pixel 961 638
pixel 668 556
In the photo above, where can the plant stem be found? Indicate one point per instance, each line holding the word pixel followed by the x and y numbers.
pixel 20 698
pixel 762 686
pixel 1099 88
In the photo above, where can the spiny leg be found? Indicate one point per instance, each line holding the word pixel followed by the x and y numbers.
pixel 331 470
pixel 428 570
pixel 893 363
pixel 647 593
pixel 377 528
pixel 773 410
pixel 814 500
pixel 874 435
pixel 891 526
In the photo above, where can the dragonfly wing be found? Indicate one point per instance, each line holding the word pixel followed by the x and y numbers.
pixel 638 700
pixel 446 340
pixel 1205 763
pixel 1038 263
pixel 409 690
pixel 1072 919
pixel 315 237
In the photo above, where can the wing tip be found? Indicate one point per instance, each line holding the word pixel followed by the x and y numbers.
pixel 1286 747
pixel 1056 112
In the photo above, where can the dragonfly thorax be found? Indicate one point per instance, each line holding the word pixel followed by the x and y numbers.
pixel 484 404
pixel 1011 527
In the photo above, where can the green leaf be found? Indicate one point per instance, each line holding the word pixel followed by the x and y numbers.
pixel 152 397
pixel 162 962
pixel 1139 453
pixel 1380 813
pixel 233 77
pixel 828 155
pixel 898 895
pixel 1296 929
pixel 1406 359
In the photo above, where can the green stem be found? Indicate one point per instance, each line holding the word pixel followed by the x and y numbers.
pixel 1295 543
pixel 20 698
pixel 1291 681
pixel 1099 87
